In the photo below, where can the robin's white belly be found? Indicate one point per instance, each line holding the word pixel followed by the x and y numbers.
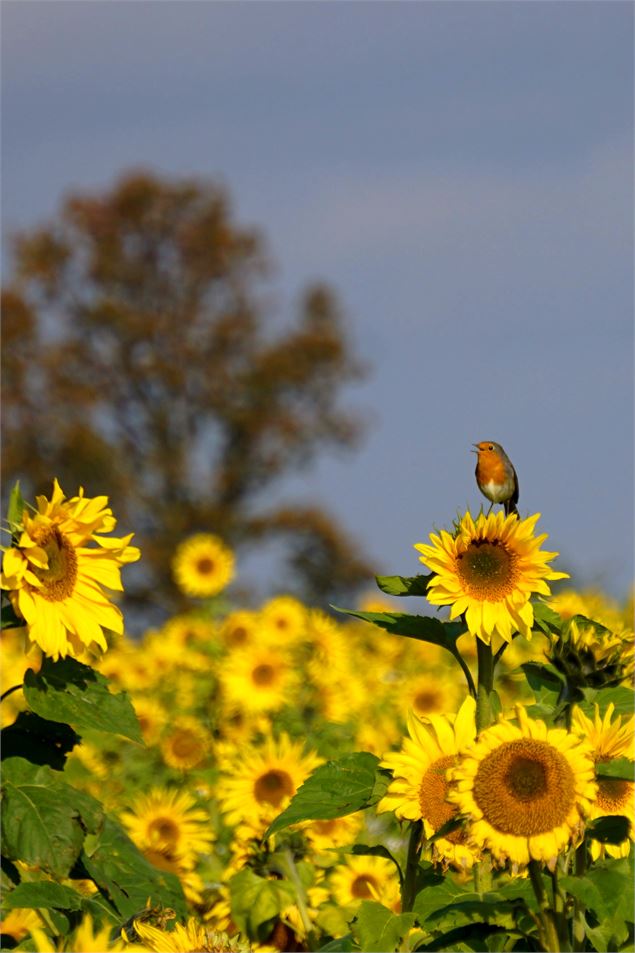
pixel 497 492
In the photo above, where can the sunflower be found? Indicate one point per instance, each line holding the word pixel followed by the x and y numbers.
pixel 188 630
pixel 169 820
pixel 365 878
pixel 488 571
pixel 336 832
pixel 151 717
pixel 18 923
pixel 525 789
pixel 592 656
pixel 427 694
pixel 420 788
pixel 203 565
pixel 55 572
pixel 255 680
pixel 187 744
pixel 240 629
pixel 87 938
pixel 283 621
pixel 192 937
pixel 609 739
pixel 260 780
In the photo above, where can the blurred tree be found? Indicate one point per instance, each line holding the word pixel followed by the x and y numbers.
pixel 138 363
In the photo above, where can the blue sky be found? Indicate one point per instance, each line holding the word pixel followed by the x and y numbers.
pixel 459 172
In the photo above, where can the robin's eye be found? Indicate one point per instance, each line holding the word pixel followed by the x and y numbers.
pixel 491 446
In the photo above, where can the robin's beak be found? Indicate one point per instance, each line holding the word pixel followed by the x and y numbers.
pixel 475 451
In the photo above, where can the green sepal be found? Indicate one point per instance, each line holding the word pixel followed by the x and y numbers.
pixel 15 509
pixel 404 585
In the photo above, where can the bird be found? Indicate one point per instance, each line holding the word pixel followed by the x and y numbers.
pixel 495 475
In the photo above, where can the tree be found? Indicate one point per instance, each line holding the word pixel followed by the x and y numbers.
pixel 142 360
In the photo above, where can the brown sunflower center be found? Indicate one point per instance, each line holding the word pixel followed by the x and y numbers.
pixel 238 635
pixel 525 787
pixel 164 829
pixel 433 791
pixel 205 566
pixel 487 570
pixel 58 579
pixel 427 700
pixel 615 796
pixel 361 886
pixel 324 827
pixel 263 674
pixel 273 787
pixel 184 744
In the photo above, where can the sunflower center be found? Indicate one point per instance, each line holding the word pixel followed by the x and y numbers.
pixel 525 787
pixel 164 829
pixel 238 635
pixel 487 570
pixel 426 700
pixel 263 674
pixel 273 787
pixel 324 827
pixel 615 796
pixel 205 566
pixel 58 579
pixel 432 798
pixel 361 886
pixel 184 744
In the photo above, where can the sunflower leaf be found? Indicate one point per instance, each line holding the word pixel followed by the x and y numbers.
pixel 70 692
pixel 619 769
pixel 612 829
pixel 44 894
pixel 620 697
pixel 377 928
pixel 44 820
pixel 607 890
pixel 546 619
pixel 38 740
pixel 335 789
pixel 125 876
pixel 423 628
pixel 256 901
pixel 404 585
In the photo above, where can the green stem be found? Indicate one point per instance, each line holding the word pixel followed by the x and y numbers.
pixel 485 659
pixel 468 675
pixel 10 691
pixel 409 886
pixel 300 895
pixel 560 917
pixel 549 933
pixel 579 922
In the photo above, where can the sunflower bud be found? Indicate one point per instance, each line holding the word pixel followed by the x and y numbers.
pixel 591 656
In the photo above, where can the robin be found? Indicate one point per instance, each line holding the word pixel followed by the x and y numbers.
pixel 496 476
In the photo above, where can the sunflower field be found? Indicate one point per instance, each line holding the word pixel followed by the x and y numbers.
pixel 287 777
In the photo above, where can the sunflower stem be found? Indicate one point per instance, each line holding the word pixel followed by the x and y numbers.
pixel 300 895
pixel 579 922
pixel 560 917
pixel 409 886
pixel 10 691
pixel 485 659
pixel 549 933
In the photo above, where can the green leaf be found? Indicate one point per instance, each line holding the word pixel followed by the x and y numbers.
pixel 16 508
pixel 422 628
pixel 620 696
pixel 379 930
pixel 546 619
pixel 334 789
pixel 256 901
pixel 543 679
pixel 404 585
pixel 607 890
pixel 472 934
pixel 44 895
pixel 435 897
pixel 125 876
pixel 44 820
pixel 613 829
pixel 343 944
pixel 38 740
pixel 71 692
pixel 618 769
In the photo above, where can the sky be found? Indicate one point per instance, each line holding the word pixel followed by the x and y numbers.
pixel 459 172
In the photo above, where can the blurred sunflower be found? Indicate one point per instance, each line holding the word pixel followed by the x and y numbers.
pixel 260 780
pixel 17 924
pixel 187 744
pixel 58 569
pixel 203 565
pixel 366 878
pixel 591 656
pixel 151 716
pixel 420 786
pixel 169 820
pixel 610 739
pixel 283 621
pixel 189 630
pixel 525 789
pixel 428 694
pixel 255 680
pixel 87 937
pixel 240 629
pixel 16 659
pixel 488 572
pixel 337 832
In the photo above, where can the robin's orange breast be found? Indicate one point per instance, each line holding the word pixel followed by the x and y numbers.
pixel 491 469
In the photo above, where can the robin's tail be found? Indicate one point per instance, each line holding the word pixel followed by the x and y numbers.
pixel 510 507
